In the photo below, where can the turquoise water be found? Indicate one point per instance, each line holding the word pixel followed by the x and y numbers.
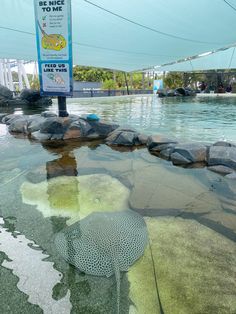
pixel 191 215
pixel 192 119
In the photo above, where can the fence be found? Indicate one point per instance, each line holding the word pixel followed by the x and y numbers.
pixel 107 93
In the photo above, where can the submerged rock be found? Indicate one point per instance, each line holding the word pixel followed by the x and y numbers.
pixel 195 267
pixel 125 137
pixel 158 140
pixel 189 153
pixel 220 155
pixel 76 197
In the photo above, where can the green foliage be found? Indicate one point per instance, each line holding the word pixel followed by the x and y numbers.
pixel 173 80
pixel 34 83
pixel 91 74
pixel 109 84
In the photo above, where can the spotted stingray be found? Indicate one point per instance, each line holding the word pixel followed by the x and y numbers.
pixel 103 244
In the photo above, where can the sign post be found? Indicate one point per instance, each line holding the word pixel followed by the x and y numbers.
pixel 157 86
pixel 54 45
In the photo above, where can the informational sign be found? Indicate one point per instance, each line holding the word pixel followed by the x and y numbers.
pixel 157 85
pixel 54 44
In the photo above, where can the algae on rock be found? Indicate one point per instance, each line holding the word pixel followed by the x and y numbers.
pixel 195 267
pixel 143 290
pixel 76 197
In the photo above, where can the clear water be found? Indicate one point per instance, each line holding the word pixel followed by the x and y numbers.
pixel 194 226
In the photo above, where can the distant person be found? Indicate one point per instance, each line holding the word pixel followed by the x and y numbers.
pixel 228 89
pixel 202 87
pixel 221 89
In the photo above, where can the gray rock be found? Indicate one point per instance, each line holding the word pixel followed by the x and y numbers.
pixel 41 136
pixel 33 96
pixel 34 123
pixel 16 102
pixel 55 125
pixel 57 136
pixel 2 115
pixel 123 137
pixel 143 139
pixel 194 152
pixel 18 125
pixel 220 155
pixel 166 153
pixel 179 159
pixel 161 147
pixel 156 140
pixel 221 169
pixel 48 114
pixel 225 144
pixel 10 118
pixel 103 128
pixel 5 92
pixel 231 176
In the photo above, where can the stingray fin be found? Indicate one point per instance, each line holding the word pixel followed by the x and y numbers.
pixel 117 276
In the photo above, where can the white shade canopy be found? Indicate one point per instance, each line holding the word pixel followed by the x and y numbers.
pixel 126 35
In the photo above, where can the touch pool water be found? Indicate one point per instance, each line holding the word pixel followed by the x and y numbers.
pixel 189 265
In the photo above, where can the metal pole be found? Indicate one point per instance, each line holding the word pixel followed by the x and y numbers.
pixel 126 83
pixel 62 107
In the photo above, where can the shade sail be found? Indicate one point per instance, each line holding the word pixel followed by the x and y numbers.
pixel 126 35
pixel 225 59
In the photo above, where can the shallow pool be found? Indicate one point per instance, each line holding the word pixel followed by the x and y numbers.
pixel 189 265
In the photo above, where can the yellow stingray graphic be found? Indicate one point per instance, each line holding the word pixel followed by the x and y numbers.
pixel 53 41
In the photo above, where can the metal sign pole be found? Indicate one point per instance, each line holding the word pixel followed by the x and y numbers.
pixel 62 112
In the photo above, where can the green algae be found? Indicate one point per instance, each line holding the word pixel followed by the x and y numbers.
pixel 195 267
pixel 143 290
pixel 76 197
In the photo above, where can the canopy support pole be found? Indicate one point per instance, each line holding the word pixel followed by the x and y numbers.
pixel 126 83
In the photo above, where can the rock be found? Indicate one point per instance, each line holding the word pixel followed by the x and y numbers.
pixel 143 290
pixel 221 155
pixel 40 136
pixel 5 92
pixel 166 153
pixel 156 140
pixel 180 91
pixel 17 102
pixel 18 125
pixel 79 129
pixel 220 169
pixel 33 96
pixel 2 115
pixel 159 148
pixel 10 118
pixel 168 191
pixel 143 139
pixel 76 197
pixel 123 137
pixel 179 159
pixel 34 123
pixel 193 152
pixel 55 125
pixel 195 267
pixel 48 114
pixel 103 128
pixel 30 95
pixel 231 175
pixel 224 143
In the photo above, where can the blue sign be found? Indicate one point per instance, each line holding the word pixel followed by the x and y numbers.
pixel 157 85
pixel 54 45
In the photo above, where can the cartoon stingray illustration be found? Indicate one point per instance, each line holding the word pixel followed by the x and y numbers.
pixel 53 41
pixel 56 78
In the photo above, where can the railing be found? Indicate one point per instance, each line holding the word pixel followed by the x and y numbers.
pixel 107 93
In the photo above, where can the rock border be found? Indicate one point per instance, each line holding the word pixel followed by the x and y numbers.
pixel 219 157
